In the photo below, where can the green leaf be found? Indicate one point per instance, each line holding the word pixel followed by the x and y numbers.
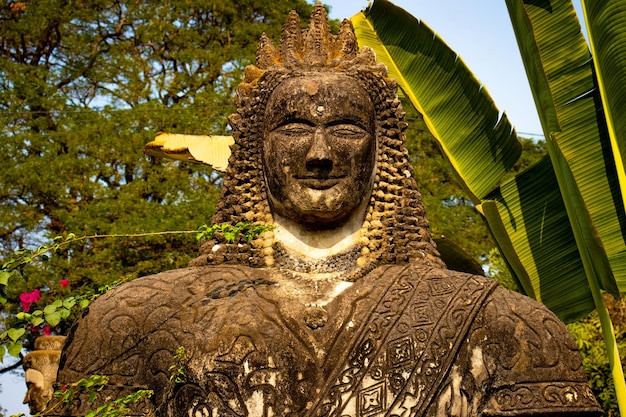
pixel 559 68
pixel 54 318
pixel 230 235
pixel 480 144
pixel 14 334
pixel 69 302
pixel 14 348
pixel 37 321
pixel 50 308
pixel 534 235
pixel 84 303
pixel 65 313
pixel 3 351
pixel 606 26
pixel 4 277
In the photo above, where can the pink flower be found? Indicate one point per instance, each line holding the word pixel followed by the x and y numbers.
pixel 25 304
pixel 64 283
pixel 46 330
pixel 28 298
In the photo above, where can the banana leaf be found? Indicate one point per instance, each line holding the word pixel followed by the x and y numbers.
pixel 455 105
pixel 561 224
pixel 559 68
pixel 534 235
pixel 606 26
pixel 528 215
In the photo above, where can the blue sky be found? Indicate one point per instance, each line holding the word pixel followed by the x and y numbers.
pixel 480 32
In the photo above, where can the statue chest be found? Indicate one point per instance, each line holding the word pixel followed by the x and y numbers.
pixel 239 342
pixel 259 353
pixel 371 349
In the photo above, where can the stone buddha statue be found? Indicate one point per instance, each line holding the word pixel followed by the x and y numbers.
pixel 345 307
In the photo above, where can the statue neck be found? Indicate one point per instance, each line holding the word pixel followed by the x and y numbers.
pixel 319 244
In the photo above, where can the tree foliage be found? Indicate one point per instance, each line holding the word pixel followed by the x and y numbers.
pixel 589 339
pixel 84 85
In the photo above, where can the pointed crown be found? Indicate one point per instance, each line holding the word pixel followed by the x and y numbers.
pixel 315 47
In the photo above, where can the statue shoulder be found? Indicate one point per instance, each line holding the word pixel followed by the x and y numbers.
pixel 174 287
pixel 531 358
pixel 526 333
pixel 114 324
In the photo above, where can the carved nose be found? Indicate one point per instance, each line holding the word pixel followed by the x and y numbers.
pixel 319 159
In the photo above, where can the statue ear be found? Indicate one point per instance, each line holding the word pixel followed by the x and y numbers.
pixel 209 150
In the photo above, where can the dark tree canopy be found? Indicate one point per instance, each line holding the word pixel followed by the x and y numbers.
pixel 84 85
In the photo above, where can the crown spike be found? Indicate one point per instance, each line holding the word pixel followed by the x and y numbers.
pixel 318 41
pixel 266 53
pixel 314 47
pixel 347 40
pixel 291 41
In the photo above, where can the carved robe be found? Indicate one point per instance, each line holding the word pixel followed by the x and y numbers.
pixel 402 341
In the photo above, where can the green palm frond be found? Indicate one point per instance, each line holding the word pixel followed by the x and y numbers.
pixel 559 67
pixel 561 224
pixel 606 26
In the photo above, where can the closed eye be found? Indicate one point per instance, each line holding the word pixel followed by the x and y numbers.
pixel 348 131
pixel 294 129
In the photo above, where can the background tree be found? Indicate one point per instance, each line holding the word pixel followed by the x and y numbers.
pixel 83 86
pixel 588 335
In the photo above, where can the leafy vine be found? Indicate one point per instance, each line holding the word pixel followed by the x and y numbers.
pixel 91 386
pixel 56 311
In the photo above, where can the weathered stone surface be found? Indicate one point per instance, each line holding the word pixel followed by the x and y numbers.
pixel 345 308
pixel 40 369
pixel 402 335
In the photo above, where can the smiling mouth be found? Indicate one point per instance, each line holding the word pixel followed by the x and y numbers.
pixel 319 183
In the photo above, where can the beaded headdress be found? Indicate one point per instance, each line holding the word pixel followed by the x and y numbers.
pixel 395 229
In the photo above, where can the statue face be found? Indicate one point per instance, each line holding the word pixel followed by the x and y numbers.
pixel 38 394
pixel 319 149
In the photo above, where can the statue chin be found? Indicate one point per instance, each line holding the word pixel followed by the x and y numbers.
pixel 313 219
